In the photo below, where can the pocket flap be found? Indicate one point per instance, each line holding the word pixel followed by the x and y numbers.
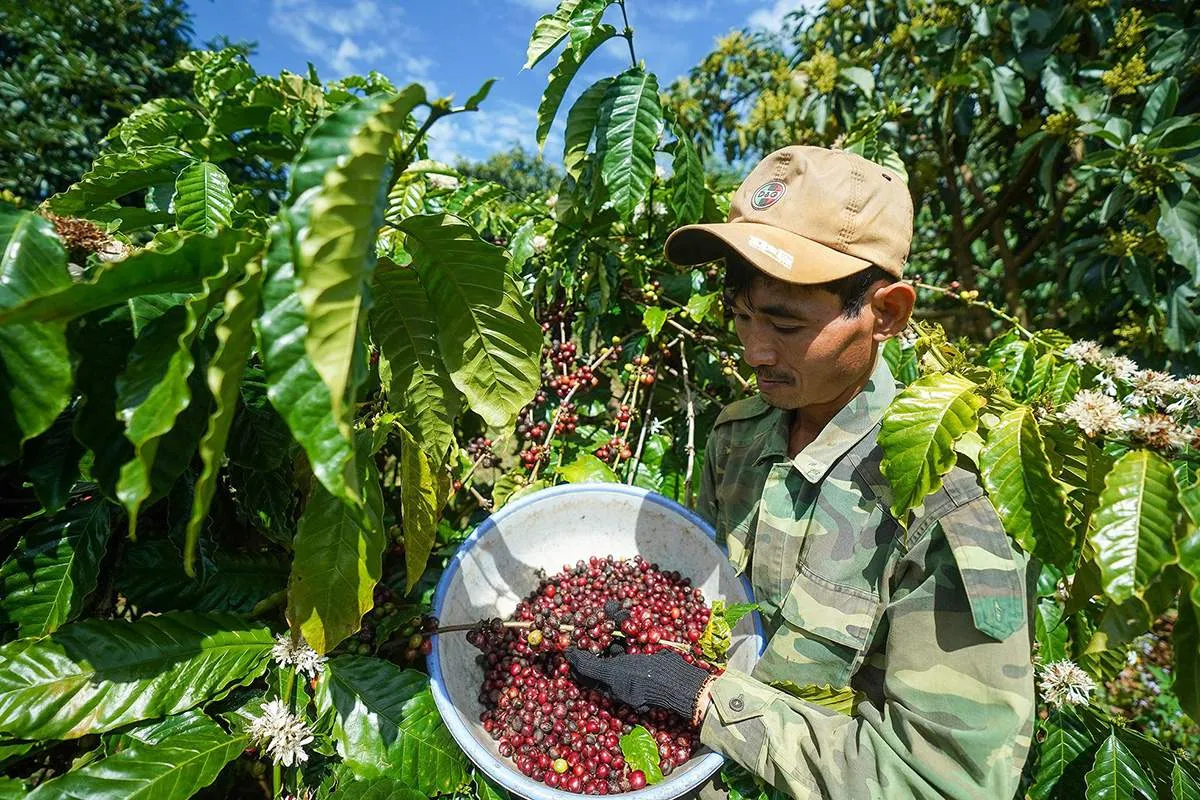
pixel 832 612
pixel 992 577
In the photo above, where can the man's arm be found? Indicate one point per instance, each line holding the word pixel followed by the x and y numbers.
pixel 957 715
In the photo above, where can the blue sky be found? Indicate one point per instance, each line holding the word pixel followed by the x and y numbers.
pixel 452 46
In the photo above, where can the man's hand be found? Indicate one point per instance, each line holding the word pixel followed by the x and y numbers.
pixel 663 679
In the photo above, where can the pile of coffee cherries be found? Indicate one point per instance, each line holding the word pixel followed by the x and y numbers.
pixel 556 730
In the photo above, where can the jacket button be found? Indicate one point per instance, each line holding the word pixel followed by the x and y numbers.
pixel 737 704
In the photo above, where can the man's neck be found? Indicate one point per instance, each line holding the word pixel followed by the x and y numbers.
pixel 808 422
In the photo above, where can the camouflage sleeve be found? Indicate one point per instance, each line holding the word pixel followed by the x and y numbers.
pixel 956 717
pixel 706 500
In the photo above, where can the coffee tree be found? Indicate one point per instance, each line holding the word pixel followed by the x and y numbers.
pixel 267 364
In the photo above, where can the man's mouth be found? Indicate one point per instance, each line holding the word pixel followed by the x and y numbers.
pixel 774 381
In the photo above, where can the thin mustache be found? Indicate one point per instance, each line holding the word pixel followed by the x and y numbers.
pixel 774 376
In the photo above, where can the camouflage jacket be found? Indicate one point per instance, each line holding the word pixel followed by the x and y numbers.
pixel 931 625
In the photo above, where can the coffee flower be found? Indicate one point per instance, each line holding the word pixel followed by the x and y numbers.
pixel 1094 413
pixel 283 733
pixel 540 243
pixel 1064 683
pixel 1084 352
pixel 1158 432
pixel 1154 388
pixel 297 654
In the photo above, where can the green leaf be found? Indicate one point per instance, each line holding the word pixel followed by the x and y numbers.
pixel 1031 503
pixel 115 672
pixel 1179 225
pixel 654 318
pixel 406 330
pixel 562 75
pixel 157 387
pixel 481 94
pixel 181 265
pixel 293 385
pixel 1134 537
pixel 55 566
pixel 918 434
pixel 1051 631
pixel 335 250
pixel 549 30
pixel 627 131
pixel 338 559
pixel 641 753
pixel 688 191
pixel 98 342
pixel 51 463
pixel 1185 639
pixel 386 723
pixel 1183 785
pixel 485 789
pixel 173 768
pixel 844 700
pixel 705 306
pixel 1008 91
pixel 718 633
pixel 421 501
pixel 489 339
pixel 151 576
pixel 1160 105
pixel 1116 774
pixel 224 374
pixel 586 468
pixel 474 195
pixel 203 202
pixel 116 174
pixel 1066 740
pixel 377 789
pixel 1064 384
pixel 35 370
pixel 735 612
pixel 581 125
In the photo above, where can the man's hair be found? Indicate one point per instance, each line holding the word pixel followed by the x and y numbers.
pixel 851 290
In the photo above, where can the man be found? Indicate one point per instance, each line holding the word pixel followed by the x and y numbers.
pixel 926 617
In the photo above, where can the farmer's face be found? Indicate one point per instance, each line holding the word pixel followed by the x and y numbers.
pixel 804 351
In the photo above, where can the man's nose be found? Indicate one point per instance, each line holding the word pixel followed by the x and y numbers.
pixel 758 351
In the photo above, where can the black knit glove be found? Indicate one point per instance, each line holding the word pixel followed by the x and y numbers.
pixel 662 679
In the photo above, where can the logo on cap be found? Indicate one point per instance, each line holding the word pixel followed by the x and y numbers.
pixel 767 195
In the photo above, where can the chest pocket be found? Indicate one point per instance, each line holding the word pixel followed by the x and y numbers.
pixel 822 634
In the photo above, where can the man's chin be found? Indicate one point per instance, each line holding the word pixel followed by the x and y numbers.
pixel 779 396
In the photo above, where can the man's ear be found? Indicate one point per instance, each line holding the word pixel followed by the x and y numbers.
pixel 892 305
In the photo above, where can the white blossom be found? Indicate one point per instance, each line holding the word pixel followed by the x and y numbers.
pixel 297 654
pixel 1106 384
pixel 1157 387
pixel 1094 413
pixel 443 181
pixel 540 243
pixel 1158 431
pixel 1064 683
pixel 284 733
pixel 1122 368
pixel 552 201
pixel 1084 352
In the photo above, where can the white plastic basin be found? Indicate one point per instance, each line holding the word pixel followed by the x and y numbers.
pixel 497 566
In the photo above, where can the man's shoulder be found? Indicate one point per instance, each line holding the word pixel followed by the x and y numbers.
pixel 741 410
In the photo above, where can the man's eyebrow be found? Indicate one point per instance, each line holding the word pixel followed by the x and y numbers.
pixel 779 310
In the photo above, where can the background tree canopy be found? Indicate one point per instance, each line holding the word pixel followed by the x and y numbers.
pixel 1049 146
pixel 70 71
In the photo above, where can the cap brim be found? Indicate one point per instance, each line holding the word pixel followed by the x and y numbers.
pixel 781 254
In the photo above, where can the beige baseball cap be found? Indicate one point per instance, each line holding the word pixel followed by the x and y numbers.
pixel 809 215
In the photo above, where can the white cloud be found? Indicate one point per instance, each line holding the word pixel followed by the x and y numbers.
pixel 352 36
pixel 679 12
pixel 496 126
pixel 772 18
